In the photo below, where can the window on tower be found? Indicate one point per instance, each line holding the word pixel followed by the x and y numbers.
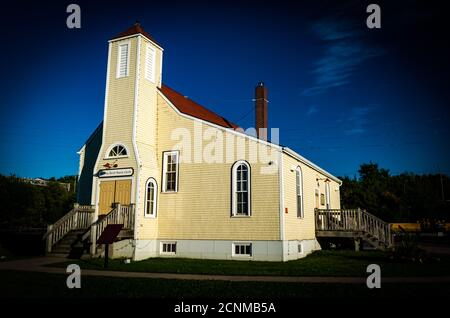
pixel 117 151
pixel 123 60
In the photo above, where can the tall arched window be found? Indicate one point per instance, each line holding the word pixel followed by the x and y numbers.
pixel 241 177
pixel 117 151
pixel 151 190
pixel 299 191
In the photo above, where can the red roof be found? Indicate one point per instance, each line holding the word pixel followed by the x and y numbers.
pixel 189 107
pixel 135 29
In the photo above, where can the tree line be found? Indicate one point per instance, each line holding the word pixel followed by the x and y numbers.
pixel 24 205
pixel 404 197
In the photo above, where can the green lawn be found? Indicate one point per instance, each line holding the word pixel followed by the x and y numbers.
pixel 17 284
pixel 320 263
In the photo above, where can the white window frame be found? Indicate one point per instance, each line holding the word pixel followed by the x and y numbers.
pixel 161 248
pixel 153 213
pixel 233 250
pixel 107 156
pixel 299 192
pixel 119 53
pixel 234 189
pixel 166 154
pixel 152 51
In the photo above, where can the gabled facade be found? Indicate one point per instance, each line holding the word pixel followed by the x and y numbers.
pixel 198 186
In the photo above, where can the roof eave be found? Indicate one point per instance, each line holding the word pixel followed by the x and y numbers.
pixel 136 34
pixel 302 159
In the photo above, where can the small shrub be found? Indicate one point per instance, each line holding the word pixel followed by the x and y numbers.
pixel 407 249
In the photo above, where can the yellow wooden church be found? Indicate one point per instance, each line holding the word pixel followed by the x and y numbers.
pixel 184 181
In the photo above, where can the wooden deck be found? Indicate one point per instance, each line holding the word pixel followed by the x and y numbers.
pixel 353 223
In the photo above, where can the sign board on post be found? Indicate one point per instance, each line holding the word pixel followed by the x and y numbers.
pixel 111 173
pixel 107 237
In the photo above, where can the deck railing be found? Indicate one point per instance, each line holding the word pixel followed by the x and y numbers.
pixel 80 217
pixel 121 214
pixel 353 220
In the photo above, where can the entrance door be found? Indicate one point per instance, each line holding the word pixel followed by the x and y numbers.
pixel 327 194
pixel 118 191
pixel 317 199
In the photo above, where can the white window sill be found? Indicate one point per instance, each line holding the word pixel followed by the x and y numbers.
pixel 119 157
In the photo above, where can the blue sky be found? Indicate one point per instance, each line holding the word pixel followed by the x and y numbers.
pixel 340 93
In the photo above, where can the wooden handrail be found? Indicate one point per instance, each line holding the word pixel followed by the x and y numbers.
pixel 121 214
pixel 80 217
pixel 355 220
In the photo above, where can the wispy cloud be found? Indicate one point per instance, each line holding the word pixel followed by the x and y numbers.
pixel 357 120
pixel 312 110
pixel 344 52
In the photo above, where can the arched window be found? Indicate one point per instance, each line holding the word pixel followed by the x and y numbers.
pixel 117 151
pixel 299 191
pixel 241 176
pixel 151 190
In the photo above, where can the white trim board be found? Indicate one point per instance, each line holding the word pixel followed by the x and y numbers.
pixel 302 159
pixel 133 136
pixel 136 34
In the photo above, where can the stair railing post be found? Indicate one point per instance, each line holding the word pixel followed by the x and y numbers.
pixel 49 238
pixel 133 217
pixel 93 239
pixel 119 213
pixel 359 219
pixel 75 217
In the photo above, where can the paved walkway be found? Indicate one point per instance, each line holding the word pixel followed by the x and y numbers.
pixel 38 265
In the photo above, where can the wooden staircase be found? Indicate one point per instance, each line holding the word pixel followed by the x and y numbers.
pixel 353 223
pixel 75 235
pixel 70 246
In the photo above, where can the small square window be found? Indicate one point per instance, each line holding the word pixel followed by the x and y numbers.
pixel 168 248
pixel 242 249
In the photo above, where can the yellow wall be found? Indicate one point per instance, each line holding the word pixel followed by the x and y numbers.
pixel 146 138
pixel 202 207
pixel 303 228
pixel 118 117
pixel 118 124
